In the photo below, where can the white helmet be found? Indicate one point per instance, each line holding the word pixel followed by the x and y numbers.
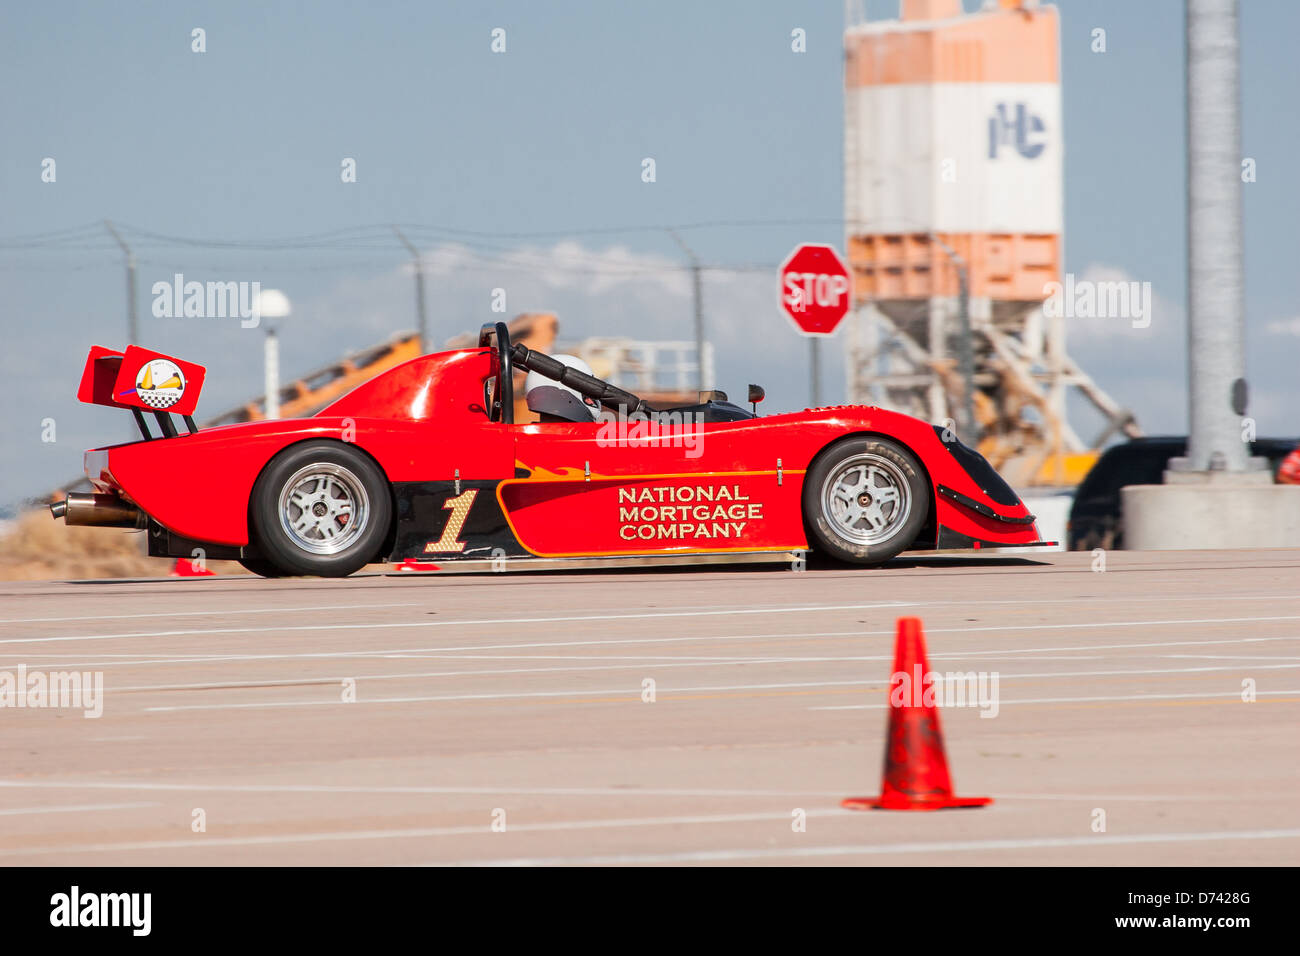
pixel 554 401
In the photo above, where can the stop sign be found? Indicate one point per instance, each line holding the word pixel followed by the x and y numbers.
pixel 815 289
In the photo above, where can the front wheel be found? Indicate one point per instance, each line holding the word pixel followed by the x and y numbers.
pixel 865 500
pixel 322 508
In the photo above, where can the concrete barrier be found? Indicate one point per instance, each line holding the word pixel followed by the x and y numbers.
pixel 1222 514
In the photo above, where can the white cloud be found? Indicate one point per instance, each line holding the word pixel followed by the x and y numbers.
pixel 1284 326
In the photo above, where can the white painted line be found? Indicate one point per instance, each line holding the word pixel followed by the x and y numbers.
pixel 514 791
pixel 1018 602
pixel 1143 645
pixel 453 652
pixel 221 612
pixel 886 849
pixel 1097 624
pixel 456 653
pixel 85 808
pixel 660 665
pixel 704 609
pixel 1085 700
pixel 483 829
pixel 282 788
pixel 804 635
pixel 413 675
pixel 1092 599
pixel 571 618
pixel 1135 798
pixel 1242 658
pixel 633 693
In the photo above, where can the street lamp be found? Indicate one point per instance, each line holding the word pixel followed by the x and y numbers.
pixel 272 304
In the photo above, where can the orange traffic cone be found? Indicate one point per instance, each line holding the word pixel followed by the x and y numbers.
pixel 410 564
pixel 916 770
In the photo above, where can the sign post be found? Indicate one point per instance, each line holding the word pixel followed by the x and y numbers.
pixel 815 292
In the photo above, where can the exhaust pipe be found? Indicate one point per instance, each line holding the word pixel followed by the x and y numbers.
pixel 104 511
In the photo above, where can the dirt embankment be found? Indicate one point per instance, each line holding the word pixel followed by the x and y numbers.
pixel 37 547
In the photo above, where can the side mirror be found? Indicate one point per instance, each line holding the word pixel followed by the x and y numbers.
pixel 756 395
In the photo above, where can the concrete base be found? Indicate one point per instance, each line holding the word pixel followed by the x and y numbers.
pixel 1257 472
pixel 1220 514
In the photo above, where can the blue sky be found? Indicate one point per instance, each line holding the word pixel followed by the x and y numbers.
pixel 540 149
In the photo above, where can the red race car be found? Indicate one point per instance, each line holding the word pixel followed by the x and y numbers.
pixel 425 463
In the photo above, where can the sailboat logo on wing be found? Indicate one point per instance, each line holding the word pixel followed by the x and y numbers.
pixel 159 384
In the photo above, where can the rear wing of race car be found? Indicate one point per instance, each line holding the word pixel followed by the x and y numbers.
pixel 143 380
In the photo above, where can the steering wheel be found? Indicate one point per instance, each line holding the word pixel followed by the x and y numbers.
pixel 502 405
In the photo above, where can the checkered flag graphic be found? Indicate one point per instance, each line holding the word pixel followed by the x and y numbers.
pixel 158 401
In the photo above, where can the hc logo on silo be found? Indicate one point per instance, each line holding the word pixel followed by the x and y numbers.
pixel 1005 131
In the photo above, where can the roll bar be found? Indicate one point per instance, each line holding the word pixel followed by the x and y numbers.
pixel 580 382
pixel 503 406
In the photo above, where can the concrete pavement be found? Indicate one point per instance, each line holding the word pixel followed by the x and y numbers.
pixel 713 715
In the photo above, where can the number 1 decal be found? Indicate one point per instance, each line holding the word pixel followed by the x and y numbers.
pixel 459 508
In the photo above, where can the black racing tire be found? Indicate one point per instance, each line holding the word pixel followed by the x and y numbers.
pixel 321 508
pixel 262 568
pixel 865 500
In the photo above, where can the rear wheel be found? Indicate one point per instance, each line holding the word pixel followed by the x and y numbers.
pixel 865 500
pixel 321 508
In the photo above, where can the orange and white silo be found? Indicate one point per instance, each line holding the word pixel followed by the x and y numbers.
pixel 953 151
pixel 953 126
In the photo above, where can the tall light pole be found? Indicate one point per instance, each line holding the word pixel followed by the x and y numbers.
pixel 1216 364
pixel 271 373
pixel 699 304
pixel 272 304
pixel 132 330
pixel 421 316
pixel 1217 495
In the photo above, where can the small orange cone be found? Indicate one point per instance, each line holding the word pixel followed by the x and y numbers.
pixel 916 770
pixel 410 564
